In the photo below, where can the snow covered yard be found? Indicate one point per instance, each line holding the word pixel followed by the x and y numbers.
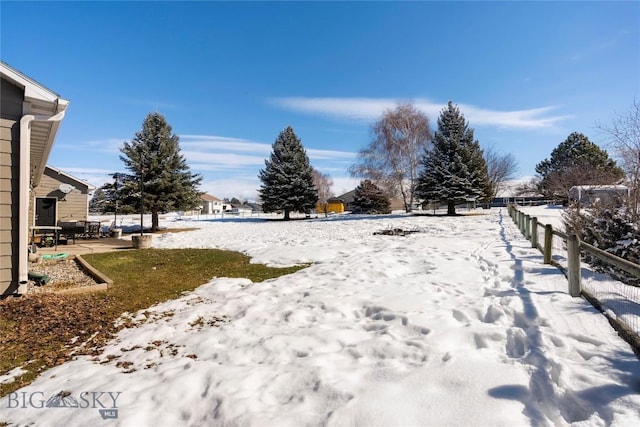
pixel 458 324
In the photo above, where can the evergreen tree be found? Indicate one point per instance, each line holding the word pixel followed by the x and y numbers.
pixel 576 161
pixel 120 196
pixel 153 156
pixel 287 179
pixel 98 202
pixel 370 199
pixel 610 229
pixel 454 170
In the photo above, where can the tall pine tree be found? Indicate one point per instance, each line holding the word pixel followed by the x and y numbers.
pixel 154 157
pixel 287 179
pixel 454 170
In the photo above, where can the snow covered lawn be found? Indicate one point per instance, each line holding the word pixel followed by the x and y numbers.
pixel 460 324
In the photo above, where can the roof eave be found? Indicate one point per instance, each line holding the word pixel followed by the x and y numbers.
pixel 32 89
pixel 71 177
pixel 60 105
pixel 38 101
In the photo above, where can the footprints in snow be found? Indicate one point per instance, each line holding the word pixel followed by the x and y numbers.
pixel 516 343
pixel 378 313
pixel 461 316
pixel 395 338
pixel 374 334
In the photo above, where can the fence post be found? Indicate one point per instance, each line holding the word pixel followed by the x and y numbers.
pixel 534 232
pixel 527 227
pixel 573 254
pixel 548 237
pixel 521 222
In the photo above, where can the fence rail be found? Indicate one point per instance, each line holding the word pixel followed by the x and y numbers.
pixel 618 301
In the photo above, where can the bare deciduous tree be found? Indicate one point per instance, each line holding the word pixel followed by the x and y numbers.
pixel 323 184
pixel 500 168
pixel 528 189
pixel 623 136
pixel 392 159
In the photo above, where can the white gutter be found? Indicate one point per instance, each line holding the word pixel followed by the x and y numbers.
pixel 24 183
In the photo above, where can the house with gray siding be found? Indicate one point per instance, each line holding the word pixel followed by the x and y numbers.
pixel 60 197
pixel 30 115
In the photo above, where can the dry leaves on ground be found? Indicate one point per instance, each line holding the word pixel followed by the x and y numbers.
pixel 50 328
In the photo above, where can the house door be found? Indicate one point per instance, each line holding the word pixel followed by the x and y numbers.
pixel 46 211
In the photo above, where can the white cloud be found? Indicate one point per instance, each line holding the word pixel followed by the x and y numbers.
pixel 348 108
pixel 228 160
pixel 211 152
pixel 223 143
pixel 243 188
pixel 213 143
pixel 329 154
pixel 368 109
pixel 107 145
pixel 344 184
pixel 525 119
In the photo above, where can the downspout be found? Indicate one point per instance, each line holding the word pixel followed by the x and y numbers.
pixel 24 182
pixel 24 185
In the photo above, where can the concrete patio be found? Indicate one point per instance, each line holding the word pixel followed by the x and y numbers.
pixel 88 246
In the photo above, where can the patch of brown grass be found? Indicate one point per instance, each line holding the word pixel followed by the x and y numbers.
pixel 40 331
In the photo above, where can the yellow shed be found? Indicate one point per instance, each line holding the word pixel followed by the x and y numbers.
pixel 334 205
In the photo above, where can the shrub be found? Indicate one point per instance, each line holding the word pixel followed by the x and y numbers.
pixel 610 229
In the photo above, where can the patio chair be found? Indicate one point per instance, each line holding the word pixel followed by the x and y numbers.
pixel 92 229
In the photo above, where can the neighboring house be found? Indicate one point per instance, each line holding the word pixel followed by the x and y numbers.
pixel 30 115
pixel 255 207
pixel 347 200
pixel 210 204
pixel 395 204
pixel 334 205
pixel 60 197
pixel 587 195
pixel 238 209
pixel 511 192
pixel 498 202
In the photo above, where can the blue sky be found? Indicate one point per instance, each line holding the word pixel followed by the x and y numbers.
pixel 229 76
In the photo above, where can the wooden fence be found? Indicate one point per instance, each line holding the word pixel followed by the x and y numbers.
pixel 627 297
